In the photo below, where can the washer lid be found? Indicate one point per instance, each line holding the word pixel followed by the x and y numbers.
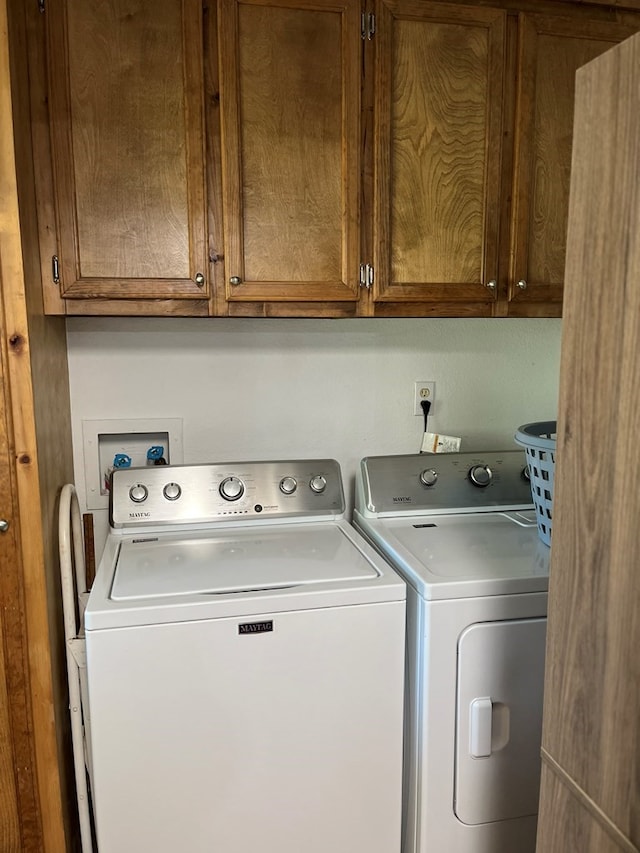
pixel 251 559
pixel 456 556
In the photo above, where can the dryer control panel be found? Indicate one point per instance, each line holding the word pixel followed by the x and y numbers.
pixel 230 491
pixel 393 485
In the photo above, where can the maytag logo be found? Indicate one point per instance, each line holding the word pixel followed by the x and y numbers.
pixel 139 515
pixel 255 627
pixel 402 500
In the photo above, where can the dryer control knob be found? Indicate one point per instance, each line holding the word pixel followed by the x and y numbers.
pixel 172 491
pixel 429 477
pixel 480 475
pixel 318 484
pixel 231 488
pixel 288 485
pixel 138 493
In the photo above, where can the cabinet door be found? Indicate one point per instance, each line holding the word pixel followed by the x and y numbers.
pixel 550 52
pixel 290 114
pixel 126 84
pixel 438 135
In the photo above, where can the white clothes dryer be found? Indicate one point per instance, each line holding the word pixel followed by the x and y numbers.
pixel 245 662
pixel 460 528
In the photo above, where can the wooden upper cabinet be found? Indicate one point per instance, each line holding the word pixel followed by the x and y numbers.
pixel 429 162
pixel 290 125
pixel 438 142
pixel 551 49
pixel 126 112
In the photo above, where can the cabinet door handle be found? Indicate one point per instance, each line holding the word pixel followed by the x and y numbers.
pixel 491 285
pixel 199 279
pixel 235 279
pixel 522 284
pixel 4 525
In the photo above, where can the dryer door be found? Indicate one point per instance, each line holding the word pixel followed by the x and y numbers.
pixel 499 720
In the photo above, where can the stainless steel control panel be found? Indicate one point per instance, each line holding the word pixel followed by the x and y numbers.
pixel 443 481
pixel 231 491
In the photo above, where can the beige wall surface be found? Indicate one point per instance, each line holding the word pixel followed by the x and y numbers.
pixel 272 388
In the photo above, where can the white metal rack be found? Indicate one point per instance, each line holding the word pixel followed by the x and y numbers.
pixel 74 601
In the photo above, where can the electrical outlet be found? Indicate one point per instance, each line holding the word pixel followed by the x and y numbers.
pixel 423 391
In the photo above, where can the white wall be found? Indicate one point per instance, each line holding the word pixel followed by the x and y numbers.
pixel 269 389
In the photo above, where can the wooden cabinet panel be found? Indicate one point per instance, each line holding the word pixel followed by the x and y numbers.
pixel 20 821
pixel 551 50
pixel 567 825
pixel 10 828
pixel 290 112
pixel 20 827
pixel 439 110
pixel 592 682
pixel 126 90
pixel 31 806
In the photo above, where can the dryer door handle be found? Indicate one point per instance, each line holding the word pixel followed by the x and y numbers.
pixel 480 723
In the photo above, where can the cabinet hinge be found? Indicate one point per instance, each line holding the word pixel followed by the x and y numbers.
pixel 366 275
pixel 41 5
pixel 55 269
pixel 367 25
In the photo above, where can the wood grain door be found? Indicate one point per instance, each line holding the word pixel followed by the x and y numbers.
pixel 36 794
pixel 126 112
pixel 590 796
pixel 20 826
pixel 290 119
pixel 551 50
pixel 20 815
pixel 438 137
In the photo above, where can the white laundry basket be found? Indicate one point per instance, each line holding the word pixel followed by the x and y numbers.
pixel 539 442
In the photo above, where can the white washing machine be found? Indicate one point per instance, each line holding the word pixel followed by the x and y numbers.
pixel 245 662
pixel 460 528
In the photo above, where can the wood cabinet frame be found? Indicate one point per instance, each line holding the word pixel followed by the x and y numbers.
pixel 216 171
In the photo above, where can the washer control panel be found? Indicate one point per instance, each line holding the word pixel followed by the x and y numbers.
pixel 197 494
pixel 444 481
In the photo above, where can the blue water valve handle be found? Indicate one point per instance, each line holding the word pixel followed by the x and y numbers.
pixel 121 460
pixel 155 455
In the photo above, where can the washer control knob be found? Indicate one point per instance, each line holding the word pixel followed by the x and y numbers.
pixel 231 488
pixel 429 477
pixel 288 485
pixel 318 484
pixel 480 475
pixel 138 493
pixel 172 491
